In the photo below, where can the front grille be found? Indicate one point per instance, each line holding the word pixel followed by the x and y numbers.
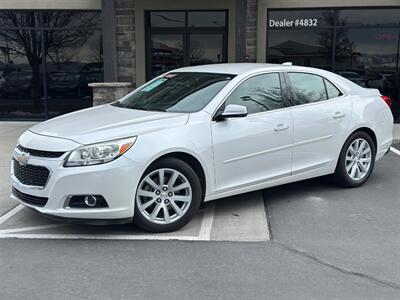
pixel 40 153
pixel 29 199
pixel 31 175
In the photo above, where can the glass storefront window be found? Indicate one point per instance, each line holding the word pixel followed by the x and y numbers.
pixel 47 61
pixel 206 19
pixel 167 19
pixel 362 45
pixel 198 38
pixel 206 49
pixel 305 48
pixel 21 71
pixel 166 53
pixel 71 67
pixel 300 18
pixel 368 17
pixel 71 19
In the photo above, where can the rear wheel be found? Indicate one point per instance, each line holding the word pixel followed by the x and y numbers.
pixel 168 196
pixel 356 161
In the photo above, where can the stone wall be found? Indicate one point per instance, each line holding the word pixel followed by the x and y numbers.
pixel 126 50
pixel 107 92
pixel 251 31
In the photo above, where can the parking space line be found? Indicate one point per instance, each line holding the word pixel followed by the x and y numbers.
pixel 97 237
pixel 11 213
pixel 206 224
pixel 30 228
pixel 394 150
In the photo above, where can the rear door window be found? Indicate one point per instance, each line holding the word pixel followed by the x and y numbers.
pixel 307 88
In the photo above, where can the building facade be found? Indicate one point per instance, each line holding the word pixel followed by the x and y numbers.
pixel 57 55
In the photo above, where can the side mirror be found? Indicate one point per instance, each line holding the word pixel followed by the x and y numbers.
pixel 232 111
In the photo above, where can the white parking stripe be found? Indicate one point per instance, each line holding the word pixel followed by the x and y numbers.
pixel 97 237
pixel 30 228
pixel 10 213
pixel 394 150
pixel 206 224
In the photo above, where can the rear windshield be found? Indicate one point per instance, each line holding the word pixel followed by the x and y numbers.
pixel 176 92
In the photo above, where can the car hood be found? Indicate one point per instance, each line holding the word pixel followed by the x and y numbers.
pixel 107 122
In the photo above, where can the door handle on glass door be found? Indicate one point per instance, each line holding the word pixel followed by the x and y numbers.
pixel 281 127
pixel 338 115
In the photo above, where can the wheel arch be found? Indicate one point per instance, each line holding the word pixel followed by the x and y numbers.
pixel 192 161
pixel 365 129
pixel 368 131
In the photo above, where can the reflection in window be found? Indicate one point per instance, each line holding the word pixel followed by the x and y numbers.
pixel 306 88
pixel 370 17
pixel 304 48
pixel 176 92
pixel 206 49
pixel 324 17
pixel 259 93
pixel 206 18
pixel 71 57
pixel 68 19
pixel 184 38
pixel 15 18
pixel 166 53
pixel 21 85
pixel 167 19
pixel 71 66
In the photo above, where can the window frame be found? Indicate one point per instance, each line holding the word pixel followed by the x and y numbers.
pixel 290 93
pixel 284 93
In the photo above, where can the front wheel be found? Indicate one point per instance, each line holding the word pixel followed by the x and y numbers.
pixel 167 197
pixel 356 161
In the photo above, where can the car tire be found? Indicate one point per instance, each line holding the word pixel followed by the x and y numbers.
pixel 356 161
pixel 160 204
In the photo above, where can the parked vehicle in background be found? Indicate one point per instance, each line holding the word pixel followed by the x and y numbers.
pixel 18 84
pixel 197 134
pixel 354 77
pixel 63 84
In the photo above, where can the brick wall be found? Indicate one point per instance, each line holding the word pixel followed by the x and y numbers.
pixel 251 31
pixel 126 50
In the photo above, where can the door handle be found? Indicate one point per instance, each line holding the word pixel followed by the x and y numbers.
pixel 338 115
pixel 281 127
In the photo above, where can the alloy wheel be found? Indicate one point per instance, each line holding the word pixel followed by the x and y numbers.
pixel 164 196
pixel 358 159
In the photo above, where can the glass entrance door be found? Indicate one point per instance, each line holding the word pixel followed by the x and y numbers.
pixel 184 38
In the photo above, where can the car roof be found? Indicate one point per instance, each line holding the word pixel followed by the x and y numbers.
pixel 233 68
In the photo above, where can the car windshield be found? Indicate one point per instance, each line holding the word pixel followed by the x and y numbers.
pixel 183 92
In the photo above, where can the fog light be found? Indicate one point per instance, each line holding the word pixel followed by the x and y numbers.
pixel 86 201
pixel 90 201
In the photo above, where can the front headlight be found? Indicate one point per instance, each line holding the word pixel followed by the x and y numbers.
pixel 96 154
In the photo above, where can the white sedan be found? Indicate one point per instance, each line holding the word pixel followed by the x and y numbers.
pixel 197 134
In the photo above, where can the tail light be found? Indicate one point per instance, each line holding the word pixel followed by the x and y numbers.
pixel 388 100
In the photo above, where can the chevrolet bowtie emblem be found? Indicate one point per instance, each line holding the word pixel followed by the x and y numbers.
pixel 22 158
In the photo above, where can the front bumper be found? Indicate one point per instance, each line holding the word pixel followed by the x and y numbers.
pixel 116 181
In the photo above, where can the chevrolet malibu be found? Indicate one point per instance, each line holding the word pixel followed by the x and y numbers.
pixel 197 134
